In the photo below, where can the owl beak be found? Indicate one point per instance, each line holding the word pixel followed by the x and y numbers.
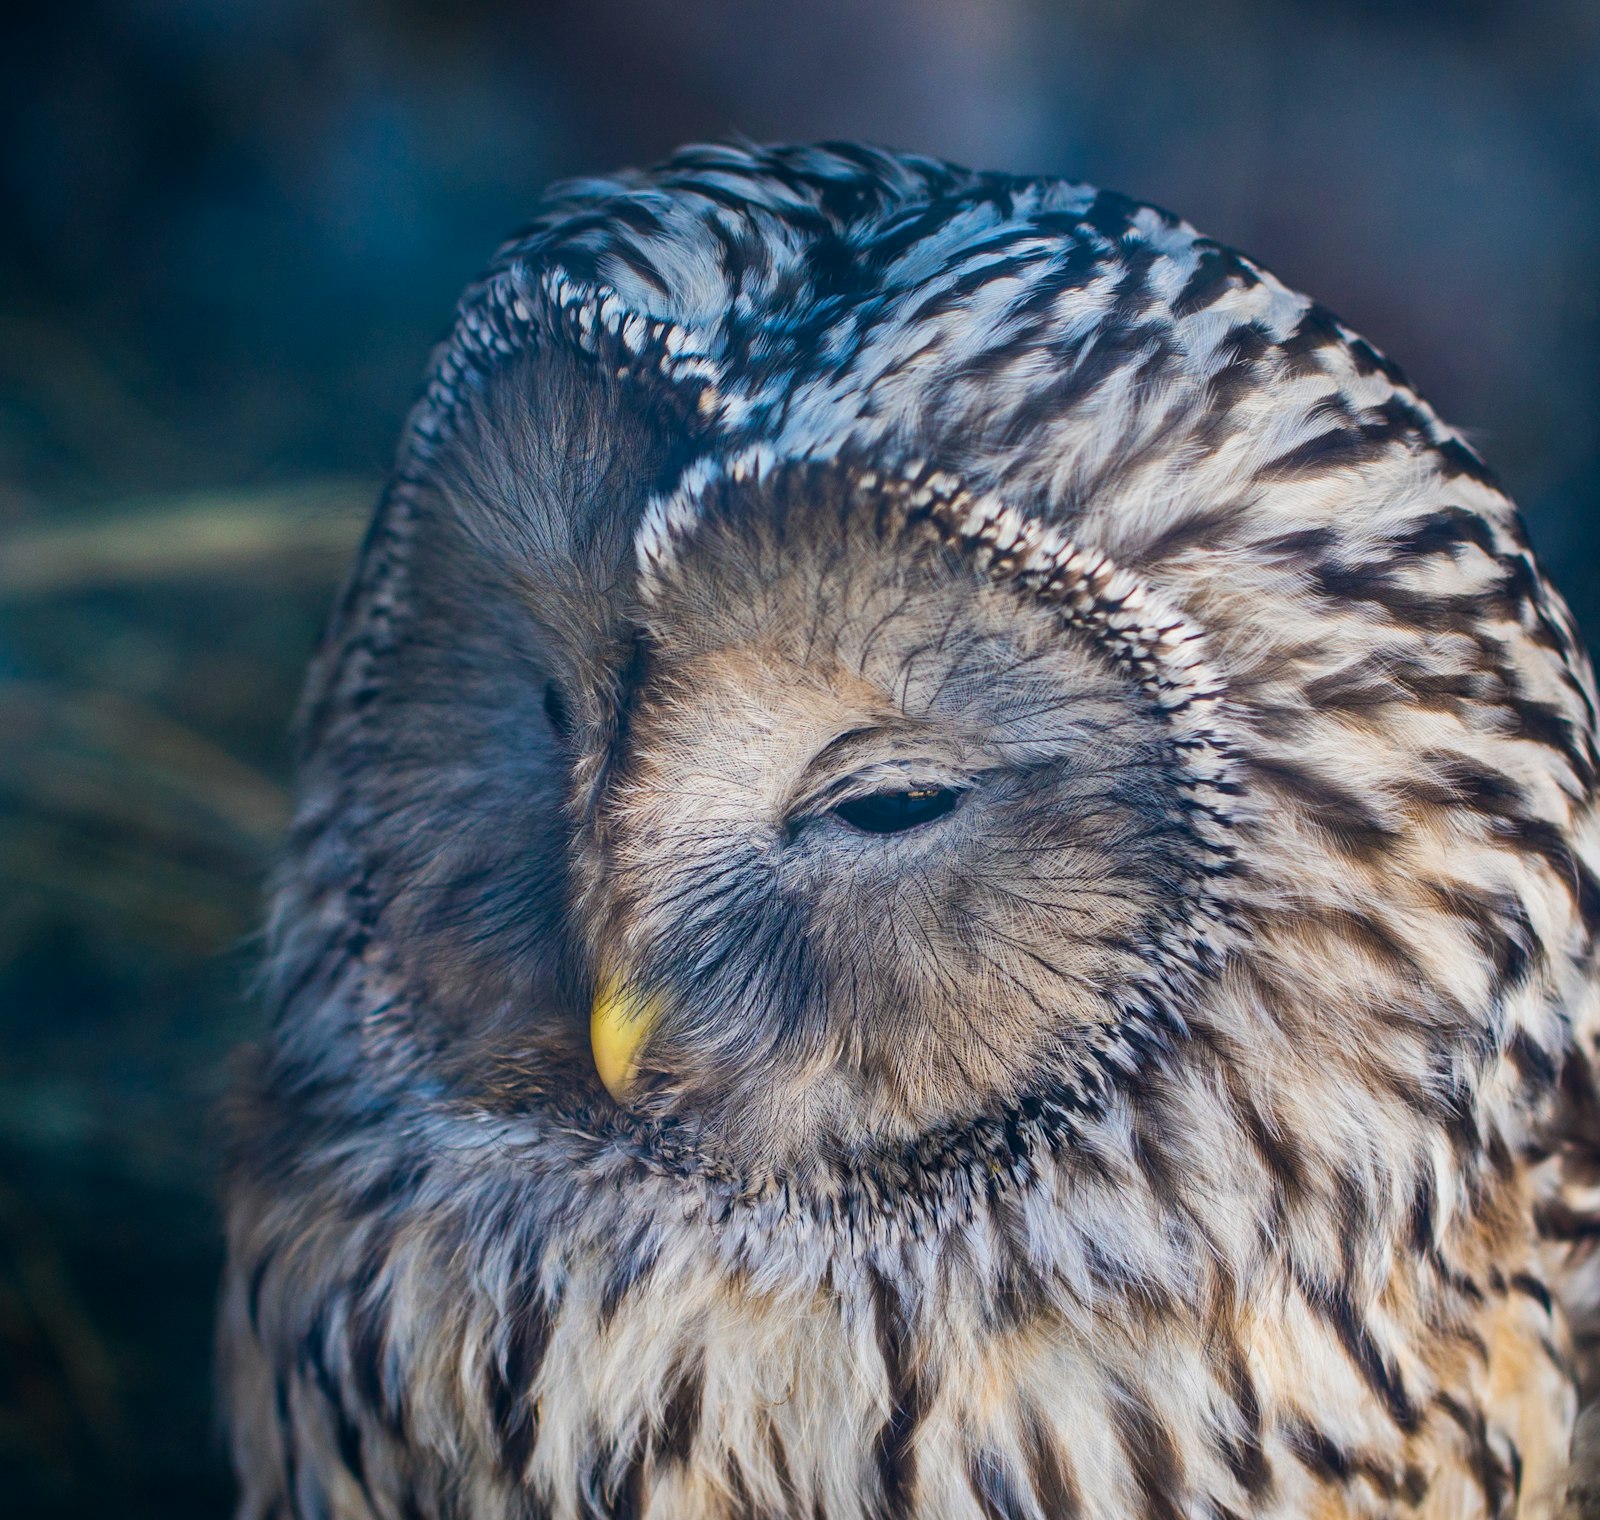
pixel 619 1024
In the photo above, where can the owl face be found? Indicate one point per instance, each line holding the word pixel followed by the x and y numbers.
pixel 875 839
pixel 684 752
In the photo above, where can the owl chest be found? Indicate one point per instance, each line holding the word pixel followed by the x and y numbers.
pixel 692 1398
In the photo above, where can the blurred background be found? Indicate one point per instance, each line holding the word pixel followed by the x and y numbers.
pixel 229 232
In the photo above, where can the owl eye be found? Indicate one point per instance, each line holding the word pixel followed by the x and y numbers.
pixel 894 812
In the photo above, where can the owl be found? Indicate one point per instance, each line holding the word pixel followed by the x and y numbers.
pixel 946 867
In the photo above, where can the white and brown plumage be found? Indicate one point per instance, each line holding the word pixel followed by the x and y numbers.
pixel 1065 805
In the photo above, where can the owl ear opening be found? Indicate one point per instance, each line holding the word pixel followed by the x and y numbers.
pixel 553 416
pixel 485 623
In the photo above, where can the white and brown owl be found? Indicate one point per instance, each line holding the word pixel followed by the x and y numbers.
pixel 946 867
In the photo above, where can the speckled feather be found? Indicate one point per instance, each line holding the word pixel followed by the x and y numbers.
pixel 1300 1225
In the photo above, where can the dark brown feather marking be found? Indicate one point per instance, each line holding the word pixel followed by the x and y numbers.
pixel 1316 1451
pixel 994 1488
pixel 1560 1221
pixel 780 1464
pixel 1340 448
pixel 635 1265
pixel 1529 1285
pixel 1318 330
pixel 1443 532
pixel 1152 1455
pixel 1342 815
pixel 1488 1470
pixel 366 1339
pixel 1215 274
pixel 1241 1448
pixel 1049 1471
pixel 1279 1151
pixel 347 1433
pixel 508 1383
pixel 894 1449
pixel 680 1421
pixel 1542 839
pixel 1535 1065
pixel 1333 1304
pixel 741 1502
pixel 1324 1458
pixel 622 1498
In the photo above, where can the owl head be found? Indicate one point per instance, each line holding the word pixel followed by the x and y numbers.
pixel 856 650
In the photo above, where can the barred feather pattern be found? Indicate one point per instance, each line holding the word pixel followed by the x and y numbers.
pixel 1312 1233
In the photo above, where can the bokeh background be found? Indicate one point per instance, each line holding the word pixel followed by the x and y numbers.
pixel 229 232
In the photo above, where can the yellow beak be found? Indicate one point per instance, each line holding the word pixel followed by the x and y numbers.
pixel 619 1024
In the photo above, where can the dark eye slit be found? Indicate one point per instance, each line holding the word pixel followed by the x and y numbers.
pixel 895 812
